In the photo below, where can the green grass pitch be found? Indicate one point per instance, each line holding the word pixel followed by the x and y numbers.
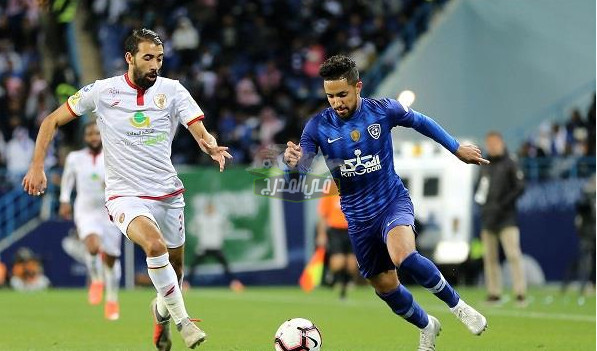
pixel 62 320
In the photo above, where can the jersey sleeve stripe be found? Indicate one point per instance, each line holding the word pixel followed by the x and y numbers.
pixel 70 109
pixel 196 119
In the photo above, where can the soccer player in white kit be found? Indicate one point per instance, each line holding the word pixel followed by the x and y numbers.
pixel 84 169
pixel 137 114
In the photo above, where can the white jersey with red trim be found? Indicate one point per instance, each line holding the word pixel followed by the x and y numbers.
pixel 84 170
pixel 137 127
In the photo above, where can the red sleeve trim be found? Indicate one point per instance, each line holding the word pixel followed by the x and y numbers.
pixel 70 109
pixel 196 119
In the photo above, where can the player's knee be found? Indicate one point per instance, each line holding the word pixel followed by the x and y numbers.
pixel 92 244
pixel 155 248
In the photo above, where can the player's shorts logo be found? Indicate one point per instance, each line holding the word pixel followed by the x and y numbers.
pixel 360 165
pixel 160 101
pixel 374 130
pixel 355 135
pixel 139 120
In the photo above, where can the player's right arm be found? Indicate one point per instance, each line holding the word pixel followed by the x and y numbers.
pixel 35 181
pixel 302 155
pixel 67 184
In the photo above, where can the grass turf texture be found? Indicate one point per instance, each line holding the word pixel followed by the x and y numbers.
pixel 62 320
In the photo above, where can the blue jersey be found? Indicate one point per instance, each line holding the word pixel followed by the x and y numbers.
pixel 359 153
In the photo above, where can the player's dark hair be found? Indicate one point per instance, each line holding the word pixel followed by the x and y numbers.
pixel 339 67
pixel 131 44
pixel 89 123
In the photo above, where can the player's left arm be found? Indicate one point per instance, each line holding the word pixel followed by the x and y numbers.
pixel 190 115
pixel 208 144
pixel 467 153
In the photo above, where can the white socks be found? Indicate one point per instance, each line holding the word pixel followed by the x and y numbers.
pixel 112 280
pixel 166 283
pixel 94 266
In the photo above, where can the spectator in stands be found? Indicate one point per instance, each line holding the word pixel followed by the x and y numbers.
pixel 499 186
pixel 591 129
pixel 19 151
pixel 27 272
pixel 185 40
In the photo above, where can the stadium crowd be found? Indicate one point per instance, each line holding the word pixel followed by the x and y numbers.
pixel 253 70
pixel 574 137
pixel 253 65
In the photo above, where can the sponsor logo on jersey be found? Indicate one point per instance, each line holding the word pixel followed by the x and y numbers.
pixel 360 165
pixel 87 87
pixel 160 101
pixel 374 130
pixel 355 135
pixel 139 120
pixel 73 100
pixel 332 140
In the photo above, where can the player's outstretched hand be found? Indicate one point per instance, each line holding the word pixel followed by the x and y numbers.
pixel 35 181
pixel 217 153
pixel 468 153
pixel 292 154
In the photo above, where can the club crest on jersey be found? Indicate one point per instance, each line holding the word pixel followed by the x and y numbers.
pixel 160 101
pixel 355 135
pixel 374 130
pixel 360 165
pixel 139 120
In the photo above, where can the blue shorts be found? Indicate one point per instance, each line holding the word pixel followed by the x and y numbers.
pixel 369 238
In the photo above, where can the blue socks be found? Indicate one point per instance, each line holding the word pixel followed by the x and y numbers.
pixel 403 304
pixel 428 276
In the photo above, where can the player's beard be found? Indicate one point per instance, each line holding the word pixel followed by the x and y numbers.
pixel 95 149
pixel 142 80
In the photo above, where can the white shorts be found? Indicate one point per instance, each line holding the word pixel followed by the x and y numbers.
pixel 167 214
pixel 98 222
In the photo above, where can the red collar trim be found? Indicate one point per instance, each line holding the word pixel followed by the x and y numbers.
pixel 140 91
pixel 130 82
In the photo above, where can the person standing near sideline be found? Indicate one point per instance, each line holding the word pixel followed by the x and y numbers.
pixel 138 114
pixel 500 184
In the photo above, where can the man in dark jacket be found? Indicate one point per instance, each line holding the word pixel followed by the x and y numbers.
pixel 500 184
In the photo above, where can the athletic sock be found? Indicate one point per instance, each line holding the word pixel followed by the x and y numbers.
pixel 428 276
pixel 403 304
pixel 161 305
pixel 164 279
pixel 94 267
pixel 112 279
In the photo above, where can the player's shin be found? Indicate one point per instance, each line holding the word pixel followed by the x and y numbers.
pixel 112 280
pixel 166 283
pixel 94 266
pixel 403 304
pixel 428 276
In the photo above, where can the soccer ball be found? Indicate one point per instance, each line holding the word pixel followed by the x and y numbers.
pixel 297 334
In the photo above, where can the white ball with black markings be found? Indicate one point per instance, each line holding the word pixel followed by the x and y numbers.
pixel 297 334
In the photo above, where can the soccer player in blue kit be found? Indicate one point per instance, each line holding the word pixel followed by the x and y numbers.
pixel 354 137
